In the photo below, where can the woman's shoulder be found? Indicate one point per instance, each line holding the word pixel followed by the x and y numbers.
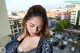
pixel 13 41
pixel 12 45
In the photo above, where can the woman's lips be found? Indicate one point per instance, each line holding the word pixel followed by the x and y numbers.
pixel 34 33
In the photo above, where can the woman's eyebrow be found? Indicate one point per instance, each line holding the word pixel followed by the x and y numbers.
pixel 32 23
pixel 40 25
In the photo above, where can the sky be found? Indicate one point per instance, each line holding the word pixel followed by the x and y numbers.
pixel 17 5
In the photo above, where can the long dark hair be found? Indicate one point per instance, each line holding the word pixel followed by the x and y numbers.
pixel 36 10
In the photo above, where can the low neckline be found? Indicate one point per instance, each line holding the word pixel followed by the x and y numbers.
pixel 26 51
pixel 32 48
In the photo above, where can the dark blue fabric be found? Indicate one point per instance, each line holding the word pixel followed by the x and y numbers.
pixel 44 46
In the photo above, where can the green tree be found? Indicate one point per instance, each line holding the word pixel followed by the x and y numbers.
pixel 65 23
pixel 57 18
pixel 59 27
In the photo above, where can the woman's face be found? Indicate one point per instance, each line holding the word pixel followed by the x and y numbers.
pixel 34 25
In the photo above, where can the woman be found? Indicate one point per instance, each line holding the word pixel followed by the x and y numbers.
pixel 34 38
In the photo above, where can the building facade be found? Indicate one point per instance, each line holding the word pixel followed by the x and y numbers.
pixel 4 24
pixel 75 15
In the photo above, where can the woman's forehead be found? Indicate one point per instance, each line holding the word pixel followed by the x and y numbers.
pixel 36 20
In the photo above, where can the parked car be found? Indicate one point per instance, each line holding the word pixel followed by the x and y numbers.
pixel 55 42
pixel 62 47
pixel 65 42
pixel 72 49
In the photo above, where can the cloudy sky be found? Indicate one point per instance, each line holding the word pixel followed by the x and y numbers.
pixel 15 5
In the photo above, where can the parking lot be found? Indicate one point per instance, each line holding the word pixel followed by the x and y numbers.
pixel 61 44
pixel 56 49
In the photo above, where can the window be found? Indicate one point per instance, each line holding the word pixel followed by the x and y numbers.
pixel 20 30
pixel 19 25
pixel 15 23
pixel 12 31
pixel 11 27
pixel 15 31
pixel 15 26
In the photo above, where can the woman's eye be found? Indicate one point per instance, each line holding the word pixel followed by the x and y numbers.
pixel 39 27
pixel 31 26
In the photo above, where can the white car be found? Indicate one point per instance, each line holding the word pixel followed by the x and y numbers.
pixel 65 42
pixel 73 48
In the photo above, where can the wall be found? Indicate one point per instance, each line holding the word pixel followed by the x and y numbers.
pixel 4 24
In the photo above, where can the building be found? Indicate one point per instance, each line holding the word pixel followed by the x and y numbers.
pixel 4 24
pixel 65 15
pixel 10 24
pixel 75 15
pixel 15 24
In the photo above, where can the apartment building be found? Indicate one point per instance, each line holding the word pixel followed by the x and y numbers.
pixel 75 15
pixel 15 24
pixel 65 15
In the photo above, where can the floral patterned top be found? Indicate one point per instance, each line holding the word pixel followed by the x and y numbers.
pixel 44 46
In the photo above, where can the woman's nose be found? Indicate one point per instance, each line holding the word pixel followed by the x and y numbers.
pixel 35 30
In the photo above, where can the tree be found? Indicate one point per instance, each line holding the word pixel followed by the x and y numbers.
pixel 57 18
pixel 59 27
pixel 65 23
